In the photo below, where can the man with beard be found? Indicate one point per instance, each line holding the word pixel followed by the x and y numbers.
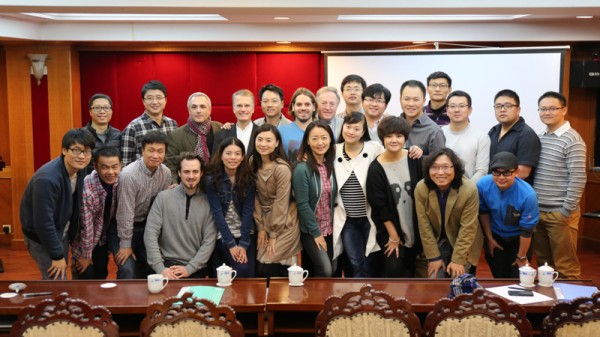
pixel 180 232
pixel 303 109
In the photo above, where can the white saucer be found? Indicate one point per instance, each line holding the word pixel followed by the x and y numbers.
pixel 296 284
pixel 527 286
pixel 545 285
pixel 224 285
pixel 108 285
pixel 8 295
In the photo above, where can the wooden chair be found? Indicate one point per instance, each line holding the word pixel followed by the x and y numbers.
pixel 367 313
pixel 66 317
pixel 580 317
pixel 188 316
pixel 477 314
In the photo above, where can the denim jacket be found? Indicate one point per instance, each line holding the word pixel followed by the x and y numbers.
pixel 219 203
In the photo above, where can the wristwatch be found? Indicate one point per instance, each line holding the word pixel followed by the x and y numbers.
pixel 521 258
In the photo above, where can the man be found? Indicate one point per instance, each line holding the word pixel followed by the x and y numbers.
pixel 244 129
pixel 100 108
pixel 559 183
pixel 90 248
pixel 425 137
pixel 439 84
pixel 179 243
pixel 271 102
pixel 328 101
pixel 470 144
pixel 154 97
pixel 352 89
pixel 375 100
pixel 508 213
pixel 303 109
pixel 139 183
pixel 196 136
pixel 49 210
pixel 513 135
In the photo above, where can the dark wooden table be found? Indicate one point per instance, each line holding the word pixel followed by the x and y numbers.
pixel 129 300
pixel 294 309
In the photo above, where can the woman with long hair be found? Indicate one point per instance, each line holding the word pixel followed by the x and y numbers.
pixel 353 229
pixel 275 216
pixel 230 190
pixel 315 189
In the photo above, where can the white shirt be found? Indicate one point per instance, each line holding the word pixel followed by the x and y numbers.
pixel 244 134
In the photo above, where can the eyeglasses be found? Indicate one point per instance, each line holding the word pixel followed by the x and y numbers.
pixel 550 109
pixel 438 85
pixel 370 100
pixel 506 106
pixel 77 152
pixel 459 106
pixel 445 169
pixel 101 108
pixel 152 98
pixel 507 173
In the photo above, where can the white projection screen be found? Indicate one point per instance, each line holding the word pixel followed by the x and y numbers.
pixel 480 72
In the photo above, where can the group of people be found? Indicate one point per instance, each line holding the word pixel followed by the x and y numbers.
pixel 359 193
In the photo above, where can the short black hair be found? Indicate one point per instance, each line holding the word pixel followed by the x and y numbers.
pixel 459 168
pixel 553 94
pixel 460 93
pixel 377 89
pixel 353 78
pixel 97 96
pixel 355 117
pixel 413 84
pixel 391 125
pixel 80 136
pixel 154 137
pixel 190 156
pixel 508 93
pixel 272 88
pixel 154 85
pixel 107 151
pixel 439 74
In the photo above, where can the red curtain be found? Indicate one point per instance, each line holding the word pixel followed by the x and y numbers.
pixel 39 115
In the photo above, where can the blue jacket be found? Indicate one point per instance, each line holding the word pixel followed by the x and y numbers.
pixel 219 203
pixel 48 204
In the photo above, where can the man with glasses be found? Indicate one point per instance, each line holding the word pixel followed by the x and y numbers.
pixel 375 100
pixel 508 213
pixel 271 103
pixel 559 182
pixel 244 129
pixel 100 107
pixel 154 97
pixel 470 144
pixel 352 88
pixel 511 134
pixel 439 84
pixel 49 211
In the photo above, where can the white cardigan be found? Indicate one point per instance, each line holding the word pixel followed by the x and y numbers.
pixel 343 168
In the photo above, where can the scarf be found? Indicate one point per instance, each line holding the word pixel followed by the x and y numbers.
pixel 201 130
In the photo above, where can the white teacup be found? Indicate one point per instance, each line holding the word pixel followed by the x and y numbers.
pixel 527 276
pixel 547 275
pixel 225 275
pixel 297 275
pixel 156 283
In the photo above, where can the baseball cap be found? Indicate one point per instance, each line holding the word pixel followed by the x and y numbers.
pixel 504 160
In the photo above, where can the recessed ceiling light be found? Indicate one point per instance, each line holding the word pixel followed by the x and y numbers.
pixel 419 42
pixel 126 17
pixel 584 17
pixel 281 18
pixel 453 17
pixel 283 42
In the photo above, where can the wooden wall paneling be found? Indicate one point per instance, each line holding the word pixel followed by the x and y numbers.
pixel 4 139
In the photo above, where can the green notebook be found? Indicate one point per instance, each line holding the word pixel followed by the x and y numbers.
pixel 212 294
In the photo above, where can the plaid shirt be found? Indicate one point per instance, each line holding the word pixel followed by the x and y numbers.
pixel 131 138
pixel 92 231
pixel 323 211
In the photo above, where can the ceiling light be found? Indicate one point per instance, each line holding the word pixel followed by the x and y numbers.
pixel 458 17
pixel 584 17
pixel 126 17
pixel 283 42
pixel 281 18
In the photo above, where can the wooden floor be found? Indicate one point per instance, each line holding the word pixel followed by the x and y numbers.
pixel 18 265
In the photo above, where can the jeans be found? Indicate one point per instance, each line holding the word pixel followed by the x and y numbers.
pixel 244 270
pixel 501 263
pixel 98 269
pixel 354 238
pixel 127 270
pixel 318 262
pixel 40 255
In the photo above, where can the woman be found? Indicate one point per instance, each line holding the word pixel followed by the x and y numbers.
pixel 353 230
pixel 230 190
pixel 274 214
pixel 314 190
pixel 447 208
pixel 391 180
